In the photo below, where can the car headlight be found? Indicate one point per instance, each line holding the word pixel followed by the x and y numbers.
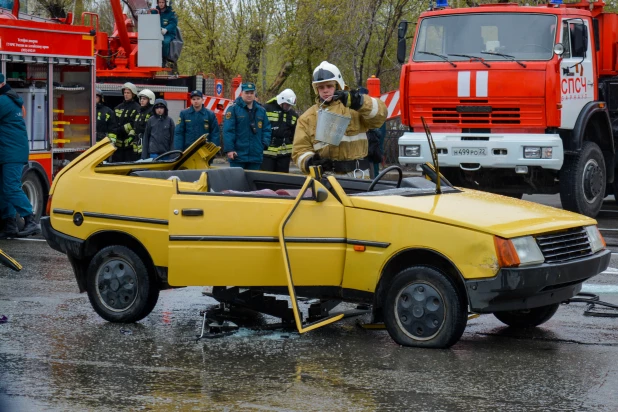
pixel 520 251
pixel 410 151
pixel 596 239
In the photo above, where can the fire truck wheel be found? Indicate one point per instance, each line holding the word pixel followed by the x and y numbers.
pixel 582 180
pixel 423 308
pixel 528 318
pixel 119 286
pixel 33 189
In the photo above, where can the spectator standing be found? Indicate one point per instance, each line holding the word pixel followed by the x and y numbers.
pixel 146 102
pixel 159 133
pixel 106 120
pixel 283 123
pixel 126 112
pixel 14 153
pixel 195 122
pixel 246 130
pixel 169 22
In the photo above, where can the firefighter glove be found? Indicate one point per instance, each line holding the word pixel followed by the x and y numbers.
pixel 316 160
pixel 350 98
pixel 163 31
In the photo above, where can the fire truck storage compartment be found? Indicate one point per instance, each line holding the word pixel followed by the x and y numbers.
pixel 149 39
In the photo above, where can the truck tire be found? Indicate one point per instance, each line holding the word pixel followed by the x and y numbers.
pixel 528 318
pixel 119 286
pixel 424 309
pixel 32 187
pixel 582 180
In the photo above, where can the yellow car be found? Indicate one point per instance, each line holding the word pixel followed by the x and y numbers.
pixel 422 260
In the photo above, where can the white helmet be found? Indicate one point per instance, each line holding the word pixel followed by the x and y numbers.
pixel 326 72
pixel 147 93
pixel 129 86
pixel 287 96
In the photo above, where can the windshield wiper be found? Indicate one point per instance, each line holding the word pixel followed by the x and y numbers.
pixel 472 58
pixel 507 56
pixel 443 57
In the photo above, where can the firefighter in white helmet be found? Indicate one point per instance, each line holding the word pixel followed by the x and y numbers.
pixel 283 122
pixel 366 113
pixel 125 118
pixel 146 102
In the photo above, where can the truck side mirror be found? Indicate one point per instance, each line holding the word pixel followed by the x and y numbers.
pixel 401 42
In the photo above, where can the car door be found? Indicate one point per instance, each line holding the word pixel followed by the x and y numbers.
pixel 576 70
pixel 232 240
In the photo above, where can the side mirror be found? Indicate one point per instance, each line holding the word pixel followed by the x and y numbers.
pixel 321 195
pixel 401 42
pixel 558 49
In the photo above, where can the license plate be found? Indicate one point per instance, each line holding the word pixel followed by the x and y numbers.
pixel 469 151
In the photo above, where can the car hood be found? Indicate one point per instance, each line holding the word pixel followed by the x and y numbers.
pixel 481 211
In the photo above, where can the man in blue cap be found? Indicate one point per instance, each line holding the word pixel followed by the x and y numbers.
pixel 195 122
pixel 14 152
pixel 246 130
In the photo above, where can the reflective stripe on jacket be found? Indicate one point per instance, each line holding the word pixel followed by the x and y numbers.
pixel 354 144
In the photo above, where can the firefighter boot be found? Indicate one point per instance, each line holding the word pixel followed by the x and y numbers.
pixel 9 229
pixel 30 227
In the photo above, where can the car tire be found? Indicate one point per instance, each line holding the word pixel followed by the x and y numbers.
pixel 527 318
pixel 424 309
pixel 582 180
pixel 119 286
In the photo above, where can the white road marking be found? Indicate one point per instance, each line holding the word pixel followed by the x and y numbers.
pixel 608 230
pixel 611 270
pixel 596 288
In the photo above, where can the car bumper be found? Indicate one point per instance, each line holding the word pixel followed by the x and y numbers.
pixel 59 241
pixel 535 286
pixel 501 150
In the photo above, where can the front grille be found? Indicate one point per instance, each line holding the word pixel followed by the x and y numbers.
pixel 493 115
pixel 566 245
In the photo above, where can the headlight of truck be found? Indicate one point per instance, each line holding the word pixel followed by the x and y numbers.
pixel 410 151
pixel 596 239
pixel 520 251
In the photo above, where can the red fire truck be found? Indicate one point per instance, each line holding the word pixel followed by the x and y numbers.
pixel 55 67
pixel 519 99
pixel 50 64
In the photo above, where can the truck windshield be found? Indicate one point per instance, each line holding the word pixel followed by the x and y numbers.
pixel 521 36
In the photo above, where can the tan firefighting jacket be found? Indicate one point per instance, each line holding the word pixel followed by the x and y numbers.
pixel 354 144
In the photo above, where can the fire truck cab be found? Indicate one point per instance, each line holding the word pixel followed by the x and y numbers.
pixel 519 99
pixel 50 64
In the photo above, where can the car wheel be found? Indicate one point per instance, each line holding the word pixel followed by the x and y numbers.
pixel 423 308
pixel 528 318
pixel 119 286
pixel 582 180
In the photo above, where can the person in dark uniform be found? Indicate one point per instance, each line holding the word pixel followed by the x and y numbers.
pixel 106 120
pixel 126 112
pixel 283 123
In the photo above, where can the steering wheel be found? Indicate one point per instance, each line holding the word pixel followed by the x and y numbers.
pixel 383 173
pixel 177 152
pixel 538 46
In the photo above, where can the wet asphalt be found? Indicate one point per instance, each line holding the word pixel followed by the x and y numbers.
pixel 56 353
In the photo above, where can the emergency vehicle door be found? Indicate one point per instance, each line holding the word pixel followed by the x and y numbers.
pixel 576 69
pixel 220 239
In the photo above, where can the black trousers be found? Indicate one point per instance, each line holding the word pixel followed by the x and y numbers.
pixel 279 164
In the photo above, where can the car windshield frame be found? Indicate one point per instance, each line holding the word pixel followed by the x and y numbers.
pixel 504 32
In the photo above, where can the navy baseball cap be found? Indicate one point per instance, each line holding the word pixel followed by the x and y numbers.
pixel 197 93
pixel 248 87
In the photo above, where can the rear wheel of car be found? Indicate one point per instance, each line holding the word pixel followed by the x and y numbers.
pixel 528 318
pixel 423 308
pixel 119 286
